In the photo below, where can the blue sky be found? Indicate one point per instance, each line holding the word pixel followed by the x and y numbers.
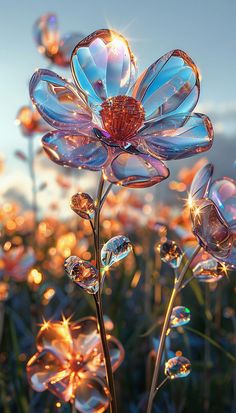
pixel 204 28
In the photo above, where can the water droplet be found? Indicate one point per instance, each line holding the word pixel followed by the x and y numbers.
pixel 209 271
pixel 83 274
pixel 177 367
pixel 115 250
pixel 82 204
pixel 171 253
pixel 180 316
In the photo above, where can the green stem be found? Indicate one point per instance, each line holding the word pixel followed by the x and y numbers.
pixel 175 291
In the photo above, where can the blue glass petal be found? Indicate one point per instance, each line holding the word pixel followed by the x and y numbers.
pixel 175 137
pixel 170 85
pixel 103 66
pixel 57 101
pixel 201 182
pixel 66 47
pixel 135 171
pixel 75 151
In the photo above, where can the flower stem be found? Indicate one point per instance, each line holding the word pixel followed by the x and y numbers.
pixel 175 291
pixel 98 298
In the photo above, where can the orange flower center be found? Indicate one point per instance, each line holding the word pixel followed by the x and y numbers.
pixel 122 116
pixel 77 364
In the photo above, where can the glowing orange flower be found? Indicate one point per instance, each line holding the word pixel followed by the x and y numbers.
pixel 70 363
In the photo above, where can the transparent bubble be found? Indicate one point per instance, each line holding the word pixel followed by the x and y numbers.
pixel 177 367
pixel 82 204
pixel 171 253
pixel 180 316
pixel 209 271
pixel 82 273
pixel 115 250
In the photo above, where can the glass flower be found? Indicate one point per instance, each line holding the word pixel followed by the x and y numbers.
pixel 47 38
pixel 31 122
pixel 107 120
pixel 69 363
pixel 213 214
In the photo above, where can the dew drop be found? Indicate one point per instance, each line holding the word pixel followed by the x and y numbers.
pixel 171 253
pixel 177 367
pixel 180 316
pixel 82 204
pixel 115 250
pixel 83 274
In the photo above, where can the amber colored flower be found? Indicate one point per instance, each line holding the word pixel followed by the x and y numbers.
pixel 69 363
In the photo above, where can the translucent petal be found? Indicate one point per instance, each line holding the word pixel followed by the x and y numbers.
pixel 169 85
pixel 135 171
pixel 211 229
pixel 62 385
pixel 201 182
pixel 175 137
pixel 85 336
pixel 223 194
pixel 91 396
pixel 180 316
pixel 115 250
pixel 42 368
pixel 96 363
pixel 103 65
pixel 75 151
pixel 83 273
pixel 46 34
pixel 177 367
pixel 55 337
pixel 58 101
pixel 66 47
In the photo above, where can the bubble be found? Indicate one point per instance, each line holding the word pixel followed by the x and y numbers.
pixel 82 204
pixel 83 274
pixel 171 253
pixel 115 250
pixel 180 316
pixel 177 367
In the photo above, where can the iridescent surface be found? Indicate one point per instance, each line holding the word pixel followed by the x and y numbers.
pixel 180 316
pixel 83 205
pixel 58 101
pixel 115 250
pixel 211 229
pixel 136 171
pixel 209 271
pixel 175 137
pixel 70 363
pixel 201 182
pixel 103 66
pixel 177 367
pixel 171 253
pixel 75 151
pixel 169 85
pixel 83 274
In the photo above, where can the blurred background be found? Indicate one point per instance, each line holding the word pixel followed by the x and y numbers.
pixel 136 292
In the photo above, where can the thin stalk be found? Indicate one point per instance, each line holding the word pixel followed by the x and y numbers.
pixel 175 291
pixel 33 178
pixel 161 385
pixel 98 298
